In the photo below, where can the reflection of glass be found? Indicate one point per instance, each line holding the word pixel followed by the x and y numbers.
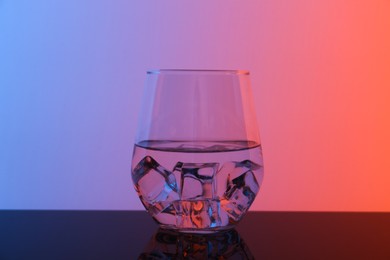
pixel 166 244
pixel 197 163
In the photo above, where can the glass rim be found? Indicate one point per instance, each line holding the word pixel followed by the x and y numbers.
pixel 197 71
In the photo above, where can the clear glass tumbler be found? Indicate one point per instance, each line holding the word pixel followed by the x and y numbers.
pixel 197 164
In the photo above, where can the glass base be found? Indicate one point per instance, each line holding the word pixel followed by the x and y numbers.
pixel 197 230
pixel 196 216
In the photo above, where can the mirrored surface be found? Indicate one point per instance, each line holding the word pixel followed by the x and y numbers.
pixel 167 244
pixel 133 235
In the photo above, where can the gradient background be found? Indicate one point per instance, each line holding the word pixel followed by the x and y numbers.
pixel 72 74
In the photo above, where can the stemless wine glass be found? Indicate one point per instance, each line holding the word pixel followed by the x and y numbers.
pixel 197 163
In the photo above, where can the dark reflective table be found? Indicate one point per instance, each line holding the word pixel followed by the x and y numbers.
pixel 134 235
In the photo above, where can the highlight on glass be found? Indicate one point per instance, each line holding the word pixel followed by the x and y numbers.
pixel 197 163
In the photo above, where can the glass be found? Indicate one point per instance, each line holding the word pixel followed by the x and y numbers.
pixel 197 163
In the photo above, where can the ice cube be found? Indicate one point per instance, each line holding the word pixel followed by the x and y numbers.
pixel 166 216
pixel 254 168
pixel 239 195
pixel 232 170
pixel 197 180
pixel 237 186
pixel 155 185
pixel 222 178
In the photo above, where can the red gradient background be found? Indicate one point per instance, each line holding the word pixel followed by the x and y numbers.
pixel 73 73
pixel 328 67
